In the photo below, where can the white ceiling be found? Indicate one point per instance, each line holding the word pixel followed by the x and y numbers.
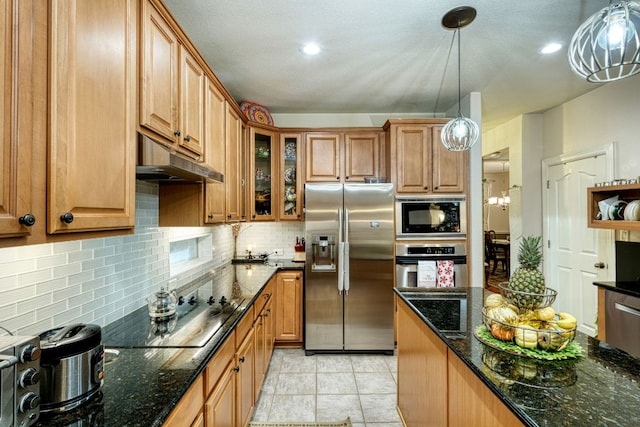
pixel 385 56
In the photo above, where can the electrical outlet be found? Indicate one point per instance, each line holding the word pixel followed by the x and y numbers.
pixel 278 252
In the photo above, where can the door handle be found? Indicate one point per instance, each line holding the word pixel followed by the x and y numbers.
pixel 599 265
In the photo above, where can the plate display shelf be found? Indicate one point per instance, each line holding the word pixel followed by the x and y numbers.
pixel 626 192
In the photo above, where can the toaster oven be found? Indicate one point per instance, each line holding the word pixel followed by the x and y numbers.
pixel 19 380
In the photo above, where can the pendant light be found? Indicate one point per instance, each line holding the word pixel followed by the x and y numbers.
pixel 606 47
pixel 460 133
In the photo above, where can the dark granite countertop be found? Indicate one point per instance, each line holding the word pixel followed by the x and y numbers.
pixel 627 288
pixel 142 385
pixel 600 389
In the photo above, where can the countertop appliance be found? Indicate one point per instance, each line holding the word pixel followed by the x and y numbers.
pixel 435 216
pixel 19 380
pixel 409 255
pixel 72 366
pixel 349 268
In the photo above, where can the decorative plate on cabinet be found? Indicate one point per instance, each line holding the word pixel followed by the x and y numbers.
pixel 290 175
pixel 245 106
pixel 260 114
pixel 290 151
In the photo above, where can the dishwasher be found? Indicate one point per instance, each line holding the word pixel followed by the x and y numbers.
pixel 622 321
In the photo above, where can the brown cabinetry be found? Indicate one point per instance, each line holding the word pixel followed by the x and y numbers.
pixel 16 116
pixel 290 178
pixel 626 192
pixel 173 85
pixel 288 311
pixel 435 387
pixel 92 127
pixel 419 163
pixel 215 111
pixel 422 371
pixel 188 411
pixel 245 362
pixel 263 167
pixel 342 156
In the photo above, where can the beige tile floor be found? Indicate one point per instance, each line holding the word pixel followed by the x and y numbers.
pixel 299 388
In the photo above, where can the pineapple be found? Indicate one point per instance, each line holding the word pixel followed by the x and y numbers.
pixel 527 277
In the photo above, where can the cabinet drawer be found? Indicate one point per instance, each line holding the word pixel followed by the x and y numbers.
pixel 244 326
pixel 189 407
pixel 219 362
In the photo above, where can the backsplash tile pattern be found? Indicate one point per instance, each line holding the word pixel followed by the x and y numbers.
pixel 101 280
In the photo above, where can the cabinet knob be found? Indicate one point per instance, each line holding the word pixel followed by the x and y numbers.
pixel 228 216
pixel 66 217
pixel 426 187
pixel 241 359
pixel 253 216
pixel 435 188
pixel 210 216
pixel 177 133
pixel 27 220
pixel 338 177
pixel 236 369
pixel 347 178
pixel 187 138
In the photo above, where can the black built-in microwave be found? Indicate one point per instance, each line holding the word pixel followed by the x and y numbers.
pixel 420 217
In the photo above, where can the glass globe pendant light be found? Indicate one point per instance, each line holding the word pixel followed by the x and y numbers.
pixel 606 47
pixel 460 133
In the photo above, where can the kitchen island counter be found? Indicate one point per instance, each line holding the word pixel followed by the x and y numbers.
pixel 600 389
pixel 142 385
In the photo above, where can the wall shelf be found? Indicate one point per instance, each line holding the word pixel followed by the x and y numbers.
pixel 627 193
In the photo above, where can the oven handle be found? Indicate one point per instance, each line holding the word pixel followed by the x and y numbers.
pixel 8 361
pixel 457 259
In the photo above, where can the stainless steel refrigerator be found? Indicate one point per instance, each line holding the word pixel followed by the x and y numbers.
pixel 349 268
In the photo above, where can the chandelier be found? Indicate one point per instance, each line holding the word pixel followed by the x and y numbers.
pixel 502 202
pixel 461 133
pixel 606 47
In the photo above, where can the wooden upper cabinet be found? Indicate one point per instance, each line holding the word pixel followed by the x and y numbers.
pixel 263 164
pixel 449 167
pixel 419 163
pixel 290 178
pixel 235 165
pixel 322 156
pixel 362 155
pixel 342 156
pixel 192 91
pixel 215 112
pixel 92 127
pixel 159 74
pixel 15 119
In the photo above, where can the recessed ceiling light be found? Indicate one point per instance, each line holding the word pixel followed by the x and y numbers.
pixel 311 49
pixel 550 48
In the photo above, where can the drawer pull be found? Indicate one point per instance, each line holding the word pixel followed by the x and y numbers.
pixel 627 309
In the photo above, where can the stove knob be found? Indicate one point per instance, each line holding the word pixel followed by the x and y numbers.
pixel 180 300
pixel 29 402
pixel 29 377
pixel 211 301
pixel 192 300
pixel 223 300
pixel 29 353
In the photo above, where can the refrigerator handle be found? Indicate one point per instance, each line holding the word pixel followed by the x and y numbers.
pixel 340 267
pixel 345 266
pixel 346 226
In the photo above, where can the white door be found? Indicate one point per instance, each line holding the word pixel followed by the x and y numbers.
pixel 571 249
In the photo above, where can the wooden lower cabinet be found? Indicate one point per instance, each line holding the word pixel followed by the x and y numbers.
pixel 220 407
pixel 471 402
pixel 189 409
pixel 289 308
pixel 435 387
pixel 245 361
pixel 422 372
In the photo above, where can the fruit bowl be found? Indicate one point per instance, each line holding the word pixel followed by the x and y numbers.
pixel 528 332
pixel 527 300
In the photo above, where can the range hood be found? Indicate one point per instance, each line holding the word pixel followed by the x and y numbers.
pixel 157 163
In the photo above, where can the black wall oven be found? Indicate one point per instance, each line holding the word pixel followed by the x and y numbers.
pixel 420 217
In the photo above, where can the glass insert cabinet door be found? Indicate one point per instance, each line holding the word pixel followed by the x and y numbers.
pixel 263 172
pixel 290 203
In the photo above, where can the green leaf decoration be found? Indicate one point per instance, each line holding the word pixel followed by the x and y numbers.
pixel 572 351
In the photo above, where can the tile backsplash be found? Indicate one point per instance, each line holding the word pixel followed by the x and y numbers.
pixel 101 280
